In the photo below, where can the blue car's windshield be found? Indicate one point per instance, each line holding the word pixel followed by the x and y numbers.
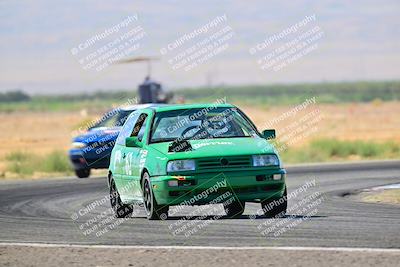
pixel 198 123
pixel 114 118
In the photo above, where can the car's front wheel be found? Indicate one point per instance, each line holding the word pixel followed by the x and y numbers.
pixel 82 173
pixel 153 210
pixel 276 207
pixel 120 209
pixel 235 209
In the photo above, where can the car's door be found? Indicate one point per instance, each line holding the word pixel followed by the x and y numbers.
pixel 133 159
pixel 117 162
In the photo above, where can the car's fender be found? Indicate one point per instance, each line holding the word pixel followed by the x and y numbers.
pixel 155 162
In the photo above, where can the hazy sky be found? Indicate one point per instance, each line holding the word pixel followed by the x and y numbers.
pixel 360 41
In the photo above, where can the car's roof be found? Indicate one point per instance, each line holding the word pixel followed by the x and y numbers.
pixel 160 108
pixel 139 106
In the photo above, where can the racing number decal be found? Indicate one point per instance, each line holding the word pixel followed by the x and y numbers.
pixel 117 161
pixel 128 164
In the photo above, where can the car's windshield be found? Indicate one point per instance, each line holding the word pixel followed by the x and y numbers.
pixel 113 118
pixel 200 123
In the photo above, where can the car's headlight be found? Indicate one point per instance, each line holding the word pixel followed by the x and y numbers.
pixel 181 165
pixel 78 145
pixel 265 160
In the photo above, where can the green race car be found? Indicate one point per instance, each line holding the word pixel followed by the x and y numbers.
pixel 175 155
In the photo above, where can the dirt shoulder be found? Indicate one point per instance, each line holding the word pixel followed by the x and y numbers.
pixel 387 196
pixel 72 256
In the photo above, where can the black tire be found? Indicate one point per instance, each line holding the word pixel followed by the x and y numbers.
pixel 275 207
pixel 120 209
pixel 153 210
pixel 235 209
pixel 82 173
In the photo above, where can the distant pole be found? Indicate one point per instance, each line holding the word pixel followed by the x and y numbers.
pixel 149 68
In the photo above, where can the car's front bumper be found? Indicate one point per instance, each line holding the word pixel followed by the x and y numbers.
pixel 249 185
pixel 81 160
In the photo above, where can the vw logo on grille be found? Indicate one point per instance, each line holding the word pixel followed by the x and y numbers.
pixel 224 161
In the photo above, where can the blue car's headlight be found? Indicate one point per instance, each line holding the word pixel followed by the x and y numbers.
pixel 181 165
pixel 265 160
pixel 78 145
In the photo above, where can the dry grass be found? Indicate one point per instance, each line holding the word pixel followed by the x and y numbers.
pixel 376 121
pixel 42 133
pixel 38 133
pixel 35 133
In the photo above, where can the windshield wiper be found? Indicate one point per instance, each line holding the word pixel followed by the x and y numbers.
pixel 163 140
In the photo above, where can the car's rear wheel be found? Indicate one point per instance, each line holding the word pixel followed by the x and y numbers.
pixel 275 207
pixel 235 209
pixel 120 209
pixel 82 173
pixel 153 210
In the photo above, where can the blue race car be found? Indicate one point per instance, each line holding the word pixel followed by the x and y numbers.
pixel 92 150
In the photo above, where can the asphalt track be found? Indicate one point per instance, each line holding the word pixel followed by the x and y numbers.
pixel 41 211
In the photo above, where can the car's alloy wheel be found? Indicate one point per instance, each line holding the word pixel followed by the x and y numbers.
pixel 82 173
pixel 275 207
pixel 235 209
pixel 153 210
pixel 120 209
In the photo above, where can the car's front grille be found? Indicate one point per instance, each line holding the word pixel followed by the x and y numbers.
pixel 218 163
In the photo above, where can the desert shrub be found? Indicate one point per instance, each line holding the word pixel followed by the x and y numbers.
pixel 56 161
pixel 25 163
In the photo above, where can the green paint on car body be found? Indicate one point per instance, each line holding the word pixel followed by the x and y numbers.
pixel 223 148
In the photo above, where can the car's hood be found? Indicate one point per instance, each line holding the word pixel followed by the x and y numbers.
pixel 98 134
pixel 219 147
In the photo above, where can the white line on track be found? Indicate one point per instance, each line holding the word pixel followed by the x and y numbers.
pixel 343 249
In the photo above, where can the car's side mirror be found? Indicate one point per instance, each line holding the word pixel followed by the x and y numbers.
pixel 132 142
pixel 269 134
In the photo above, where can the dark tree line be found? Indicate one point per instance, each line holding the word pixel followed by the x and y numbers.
pixel 14 96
